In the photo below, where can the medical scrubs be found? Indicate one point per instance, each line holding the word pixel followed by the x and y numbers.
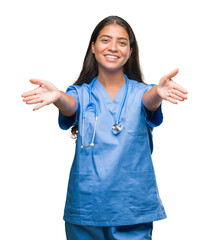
pixel 113 183
pixel 130 232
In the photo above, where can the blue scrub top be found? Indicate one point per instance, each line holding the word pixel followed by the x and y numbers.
pixel 113 183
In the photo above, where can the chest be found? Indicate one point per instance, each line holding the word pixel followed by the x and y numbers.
pixel 112 91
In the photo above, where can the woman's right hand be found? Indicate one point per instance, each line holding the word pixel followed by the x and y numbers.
pixel 44 95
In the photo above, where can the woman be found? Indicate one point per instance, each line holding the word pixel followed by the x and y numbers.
pixel 112 191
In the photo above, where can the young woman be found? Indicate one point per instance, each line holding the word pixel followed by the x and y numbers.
pixel 112 191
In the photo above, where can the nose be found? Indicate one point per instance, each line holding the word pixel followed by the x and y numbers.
pixel 113 46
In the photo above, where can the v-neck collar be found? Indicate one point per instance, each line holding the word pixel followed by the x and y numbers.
pixel 118 97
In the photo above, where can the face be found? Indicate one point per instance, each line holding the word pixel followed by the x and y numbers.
pixel 112 48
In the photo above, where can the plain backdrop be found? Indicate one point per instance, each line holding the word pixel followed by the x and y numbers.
pixel 47 39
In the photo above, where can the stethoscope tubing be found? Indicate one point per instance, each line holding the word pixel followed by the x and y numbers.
pixel 124 99
pixel 91 104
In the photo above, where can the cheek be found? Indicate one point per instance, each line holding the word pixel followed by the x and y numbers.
pixel 98 55
pixel 99 48
pixel 126 53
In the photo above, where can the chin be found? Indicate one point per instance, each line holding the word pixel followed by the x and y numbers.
pixel 111 68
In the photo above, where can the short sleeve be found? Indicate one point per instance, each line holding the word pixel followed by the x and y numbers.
pixel 153 119
pixel 66 122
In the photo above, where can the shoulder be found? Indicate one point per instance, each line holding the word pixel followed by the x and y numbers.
pixel 77 88
pixel 139 87
pixel 136 91
pixel 135 84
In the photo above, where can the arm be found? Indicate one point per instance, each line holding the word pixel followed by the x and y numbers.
pixel 66 104
pixel 167 90
pixel 46 94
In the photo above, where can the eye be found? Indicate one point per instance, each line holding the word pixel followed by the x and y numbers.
pixel 104 40
pixel 122 43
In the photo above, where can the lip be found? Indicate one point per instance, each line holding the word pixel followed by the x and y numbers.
pixel 111 57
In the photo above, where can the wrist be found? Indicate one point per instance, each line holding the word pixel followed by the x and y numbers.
pixel 58 98
pixel 158 88
pixel 157 99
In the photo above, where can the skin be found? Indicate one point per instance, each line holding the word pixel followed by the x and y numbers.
pixel 167 90
pixel 112 50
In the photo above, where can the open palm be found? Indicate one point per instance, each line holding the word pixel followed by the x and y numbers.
pixel 169 90
pixel 44 95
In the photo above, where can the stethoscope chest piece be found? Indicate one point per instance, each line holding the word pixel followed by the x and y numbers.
pixel 116 128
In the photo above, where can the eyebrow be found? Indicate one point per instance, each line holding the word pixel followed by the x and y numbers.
pixel 120 38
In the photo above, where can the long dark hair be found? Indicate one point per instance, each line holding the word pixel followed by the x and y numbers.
pixel 90 67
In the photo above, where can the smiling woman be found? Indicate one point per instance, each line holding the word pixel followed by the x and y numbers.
pixel 112 191
pixel 132 66
pixel 112 48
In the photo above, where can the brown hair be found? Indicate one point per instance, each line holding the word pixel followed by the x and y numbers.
pixel 90 67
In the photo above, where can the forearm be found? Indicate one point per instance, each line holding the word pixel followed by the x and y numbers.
pixel 152 99
pixel 66 104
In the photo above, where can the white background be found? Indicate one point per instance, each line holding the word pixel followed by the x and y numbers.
pixel 48 39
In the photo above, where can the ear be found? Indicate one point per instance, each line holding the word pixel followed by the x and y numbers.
pixel 93 47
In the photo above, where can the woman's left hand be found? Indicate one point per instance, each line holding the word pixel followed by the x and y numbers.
pixel 168 90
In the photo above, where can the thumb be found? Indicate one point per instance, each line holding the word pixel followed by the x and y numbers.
pixel 36 81
pixel 172 74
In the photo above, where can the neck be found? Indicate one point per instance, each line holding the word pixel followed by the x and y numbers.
pixel 111 78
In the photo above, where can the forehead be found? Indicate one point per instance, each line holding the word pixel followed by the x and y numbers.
pixel 114 30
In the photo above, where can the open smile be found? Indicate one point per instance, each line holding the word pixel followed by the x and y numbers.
pixel 111 57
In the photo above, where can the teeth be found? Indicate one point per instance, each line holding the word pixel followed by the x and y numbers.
pixel 109 56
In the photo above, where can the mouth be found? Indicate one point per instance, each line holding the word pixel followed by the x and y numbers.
pixel 112 57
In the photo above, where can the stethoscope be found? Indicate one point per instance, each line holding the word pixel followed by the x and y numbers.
pixel 116 128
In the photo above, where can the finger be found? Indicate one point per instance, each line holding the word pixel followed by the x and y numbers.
pixel 27 94
pixel 180 88
pixel 170 99
pixel 36 81
pixel 39 106
pixel 179 94
pixel 30 93
pixel 173 96
pixel 29 98
pixel 34 101
pixel 172 74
